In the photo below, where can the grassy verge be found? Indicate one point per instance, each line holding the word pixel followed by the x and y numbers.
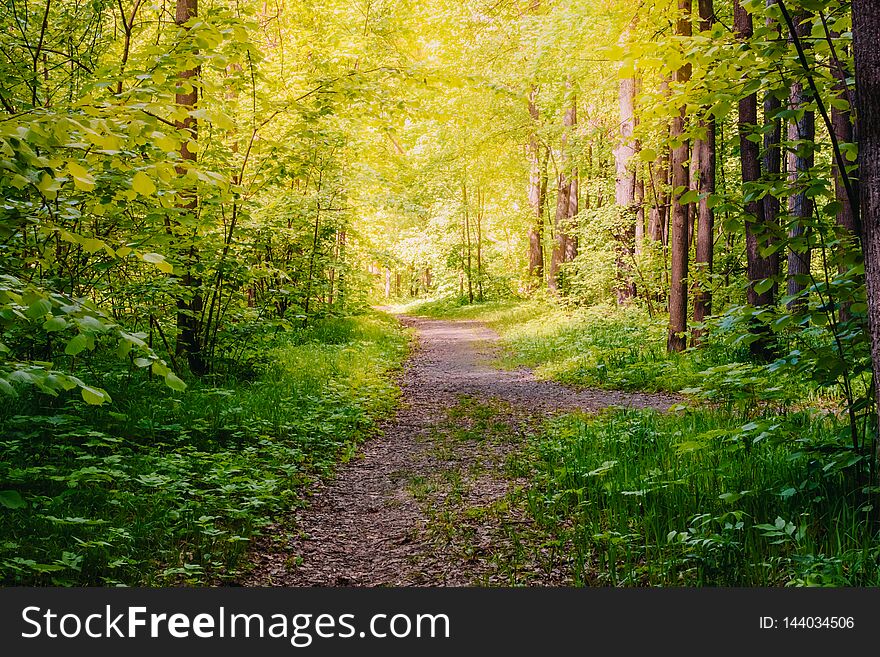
pixel 705 498
pixel 165 487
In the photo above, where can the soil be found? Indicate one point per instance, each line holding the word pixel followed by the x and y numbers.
pixel 426 503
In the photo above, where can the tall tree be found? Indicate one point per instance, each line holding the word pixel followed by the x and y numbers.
pixel 771 160
pixel 625 184
pixel 565 237
pixel 758 267
pixel 538 156
pixel 866 36
pixel 189 303
pixel 842 127
pixel 678 295
pixel 704 147
pixel 801 137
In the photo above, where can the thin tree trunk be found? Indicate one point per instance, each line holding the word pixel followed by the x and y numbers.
pixel 802 135
pixel 467 239
pixel 678 294
pixel 479 228
pixel 842 125
pixel 704 254
pixel 189 306
pixel 657 176
pixel 537 193
pixel 758 267
pixel 772 159
pixel 640 216
pixel 625 186
pixel 314 253
pixel 565 242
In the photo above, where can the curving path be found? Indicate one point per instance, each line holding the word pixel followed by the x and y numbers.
pixel 367 526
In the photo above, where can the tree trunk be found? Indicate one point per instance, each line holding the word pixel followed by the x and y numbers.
pixel 801 135
pixel 479 227
pixel 705 149
pixel 866 36
pixel 537 192
pixel 847 218
pixel 467 243
pixel 640 215
pixel 657 176
pixel 625 188
pixel 706 220
pixel 189 306
pixel 842 121
pixel 757 266
pixel 678 300
pixel 772 159
pixel 565 241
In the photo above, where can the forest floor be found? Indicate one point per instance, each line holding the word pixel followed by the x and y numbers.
pixel 437 498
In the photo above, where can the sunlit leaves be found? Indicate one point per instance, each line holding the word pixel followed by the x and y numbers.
pixel 81 176
pixel 142 184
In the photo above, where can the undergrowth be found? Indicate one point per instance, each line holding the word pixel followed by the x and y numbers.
pixel 161 487
pixel 706 498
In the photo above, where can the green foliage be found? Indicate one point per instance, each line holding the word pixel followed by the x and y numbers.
pixel 158 488
pixel 705 498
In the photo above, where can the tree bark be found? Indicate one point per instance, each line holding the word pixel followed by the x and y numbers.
pixel 565 240
pixel 657 177
pixel 801 134
pixel 640 215
pixel 189 306
pixel 842 121
pixel 678 295
pixel 467 242
pixel 758 267
pixel 706 220
pixel 537 192
pixel 866 36
pixel 625 188
pixel 772 158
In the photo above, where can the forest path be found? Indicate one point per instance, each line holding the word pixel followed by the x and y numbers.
pixel 428 502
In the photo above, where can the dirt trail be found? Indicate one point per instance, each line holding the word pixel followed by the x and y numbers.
pixel 376 523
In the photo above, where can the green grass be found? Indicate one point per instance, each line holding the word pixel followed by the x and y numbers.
pixel 164 487
pixel 705 498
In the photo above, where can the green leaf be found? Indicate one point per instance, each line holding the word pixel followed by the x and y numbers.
pixel 76 344
pixel 55 324
pixel 174 382
pixel 764 285
pixel 159 260
pixel 82 179
pixel 94 396
pixel 7 388
pixel 142 184
pixel 647 155
pixel 12 499
pixel 691 196
pixel 39 309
